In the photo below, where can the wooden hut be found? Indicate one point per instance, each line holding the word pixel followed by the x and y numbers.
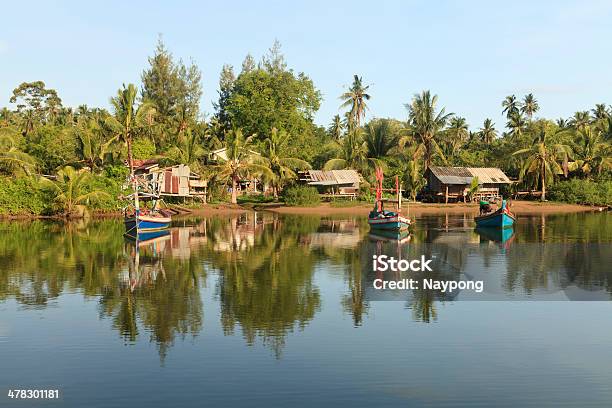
pixel 333 183
pixel 453 183
pixel 172 181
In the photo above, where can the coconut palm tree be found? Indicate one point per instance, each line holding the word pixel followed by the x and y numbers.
pixel 380 136
pixel 456 133
pixel 530 106
pixel 355 99
pixel 91 147
pixel 12 159
pixel 517 125
pixel 562 123
pixel 240 161
pixel 580 120
pixel 425 125
pixel 283 168
pixel 352 154
pixel 336 128
pixel 413 179
pixel 129 119
pixel 592 155
pixel 70 190
pixel 600 112
pixel 543 159
pixel 488 132
pixel 188 148
pixel 510 105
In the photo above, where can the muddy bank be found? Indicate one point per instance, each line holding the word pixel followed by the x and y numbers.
pixel 518 207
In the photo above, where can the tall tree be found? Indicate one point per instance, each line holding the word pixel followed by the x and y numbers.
pixel 128 119
pixel 173 88
pixel 488 132
pixel 425 125
pixel 592 155
pixel 241 162
pixel 580 120
pixel 355 99
pixel 530 106
pixel 35 103
pixel 336 128
pixel 510 105
pixel 516 125
pixel 283 168
pixel 456 134
pixel 543 159
pixel 226 87
pixel 380 137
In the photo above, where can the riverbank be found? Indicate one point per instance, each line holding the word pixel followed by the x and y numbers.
pixel 414 209
pixel 518 207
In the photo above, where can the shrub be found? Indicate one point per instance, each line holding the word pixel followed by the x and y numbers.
pixel 580 191
pixel 301 196
pixel 23 196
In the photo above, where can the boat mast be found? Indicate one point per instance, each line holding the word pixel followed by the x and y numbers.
pixel 134 182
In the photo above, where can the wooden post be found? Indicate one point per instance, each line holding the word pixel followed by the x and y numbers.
pixel 399 194
pixel 446 195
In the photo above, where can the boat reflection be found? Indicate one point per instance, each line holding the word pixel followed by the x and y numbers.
pixel 503 235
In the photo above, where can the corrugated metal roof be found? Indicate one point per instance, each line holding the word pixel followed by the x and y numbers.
pixel 333 177
pixel 487 175
pixel 464 175
pixel 452 175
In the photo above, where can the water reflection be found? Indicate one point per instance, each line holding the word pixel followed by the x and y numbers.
pixel 262 268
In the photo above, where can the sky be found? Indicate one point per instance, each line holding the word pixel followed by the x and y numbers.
pixel 470 53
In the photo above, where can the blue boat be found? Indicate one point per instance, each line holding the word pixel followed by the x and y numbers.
pixel 145 223
pixel 379 218
pixel 501 218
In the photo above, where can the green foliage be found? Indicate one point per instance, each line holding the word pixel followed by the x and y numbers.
pixel 301 196
pixel 23 196
pixel 53 146
pixel 143 148
pixel 579 191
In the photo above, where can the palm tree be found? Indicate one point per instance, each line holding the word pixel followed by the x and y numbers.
pixel 600 112
pixel 413 179
pixel 241 161
pixel 593 154
pixel 92 148
pixel 70 190
pixel 562 123
pixel 543 160
pixel 12 158
pixel 488 132
pixel 580 120
pixel 352 154
pixel 355 99
pixel 283 168
pixel 517 125
pixel 129 119
pixel 424 126
pixel 456 134
pixel 188 148
pixel 380 136
pixel 530 106
pixel 510 105
pixel 336 128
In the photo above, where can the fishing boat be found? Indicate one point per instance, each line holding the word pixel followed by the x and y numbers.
pixel 501 218
pixel 139 221
pixel 381 219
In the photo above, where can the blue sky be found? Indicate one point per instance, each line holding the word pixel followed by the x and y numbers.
pixel 470 53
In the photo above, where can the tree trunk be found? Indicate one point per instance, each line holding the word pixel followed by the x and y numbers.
pixel 129 152
pixel 543 182
pixel 234 192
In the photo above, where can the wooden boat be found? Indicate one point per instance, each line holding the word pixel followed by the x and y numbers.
pixel 146 223
pixel 138 221
pixel 381 219
pixel 501 218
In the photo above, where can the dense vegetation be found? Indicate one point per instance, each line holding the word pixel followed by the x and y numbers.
pixel 46 148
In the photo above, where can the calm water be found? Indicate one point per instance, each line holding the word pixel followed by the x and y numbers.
pixel 264 310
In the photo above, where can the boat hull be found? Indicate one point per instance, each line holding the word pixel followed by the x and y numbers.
pixel 495 220
pixel 146 223
pixel 395 223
